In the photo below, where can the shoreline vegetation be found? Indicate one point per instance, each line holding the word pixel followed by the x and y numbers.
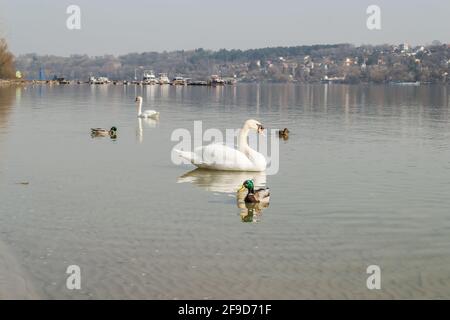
pixel 7 82
pixel 339 63
pixel 7 69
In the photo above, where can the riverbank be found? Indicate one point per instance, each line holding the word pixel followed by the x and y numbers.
pixel 15 82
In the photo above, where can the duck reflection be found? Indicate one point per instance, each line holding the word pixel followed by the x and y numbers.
pixel 252 201
pixel 249 202
pixel 251 212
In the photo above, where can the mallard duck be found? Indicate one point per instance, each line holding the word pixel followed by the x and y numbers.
pixel 254 196
pixel 100 132
pixel 284 133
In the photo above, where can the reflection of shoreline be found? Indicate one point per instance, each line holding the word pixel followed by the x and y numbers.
pixel 14 281
pixel 7 96
pixel 221 181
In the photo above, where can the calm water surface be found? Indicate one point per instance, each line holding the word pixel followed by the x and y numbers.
pixel 364 179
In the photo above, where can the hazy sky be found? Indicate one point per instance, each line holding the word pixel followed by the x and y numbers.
pixel 119 27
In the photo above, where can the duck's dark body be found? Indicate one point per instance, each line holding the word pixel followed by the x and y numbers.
pixel 284 133
pixel 257 196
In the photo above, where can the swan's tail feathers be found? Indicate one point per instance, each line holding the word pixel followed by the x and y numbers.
pixel 189 156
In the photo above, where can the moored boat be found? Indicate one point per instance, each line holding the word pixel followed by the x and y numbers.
pixel 149 78
pixel 163 78
pixel 178 81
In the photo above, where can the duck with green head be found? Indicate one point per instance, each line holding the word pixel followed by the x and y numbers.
pixel 100 132
pixel 254 196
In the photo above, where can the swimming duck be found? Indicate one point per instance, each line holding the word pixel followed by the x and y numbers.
pixel 254 196
pixel 284 133
pixel 100 132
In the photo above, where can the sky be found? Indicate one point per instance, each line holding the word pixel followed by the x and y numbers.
pixel 120 27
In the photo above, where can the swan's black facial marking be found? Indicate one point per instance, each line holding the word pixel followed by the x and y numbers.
pixel 260 128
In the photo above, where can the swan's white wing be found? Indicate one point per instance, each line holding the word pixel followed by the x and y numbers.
pixel 221 157
pixel 150 113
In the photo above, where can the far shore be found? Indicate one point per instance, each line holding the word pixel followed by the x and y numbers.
pixel 24 82
pixel 4 83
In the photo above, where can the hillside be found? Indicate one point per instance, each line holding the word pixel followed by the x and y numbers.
pixel 301 63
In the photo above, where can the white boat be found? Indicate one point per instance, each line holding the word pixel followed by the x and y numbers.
pixel 216 80
pixel 149 78
pixel 163 78
pixel 99 80
pixel 178 81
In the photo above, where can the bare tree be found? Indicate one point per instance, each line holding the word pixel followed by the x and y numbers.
pixel 6 61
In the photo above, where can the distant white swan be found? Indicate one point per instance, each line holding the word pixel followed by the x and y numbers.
pixel 147 113
pixel 221 157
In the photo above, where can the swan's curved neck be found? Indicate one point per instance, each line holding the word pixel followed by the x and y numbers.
pixel 243 143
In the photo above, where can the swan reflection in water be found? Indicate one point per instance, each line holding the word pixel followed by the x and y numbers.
pixel 229 182
pixel 151 123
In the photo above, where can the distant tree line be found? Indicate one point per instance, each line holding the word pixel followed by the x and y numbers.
pixel 382 63
pixel 198 63
pixel 7 69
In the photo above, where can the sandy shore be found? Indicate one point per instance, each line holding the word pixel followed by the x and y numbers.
pixel 14 283
pixel 4 83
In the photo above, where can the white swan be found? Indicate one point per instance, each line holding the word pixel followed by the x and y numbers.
pixel 221 157
pixel 146 113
